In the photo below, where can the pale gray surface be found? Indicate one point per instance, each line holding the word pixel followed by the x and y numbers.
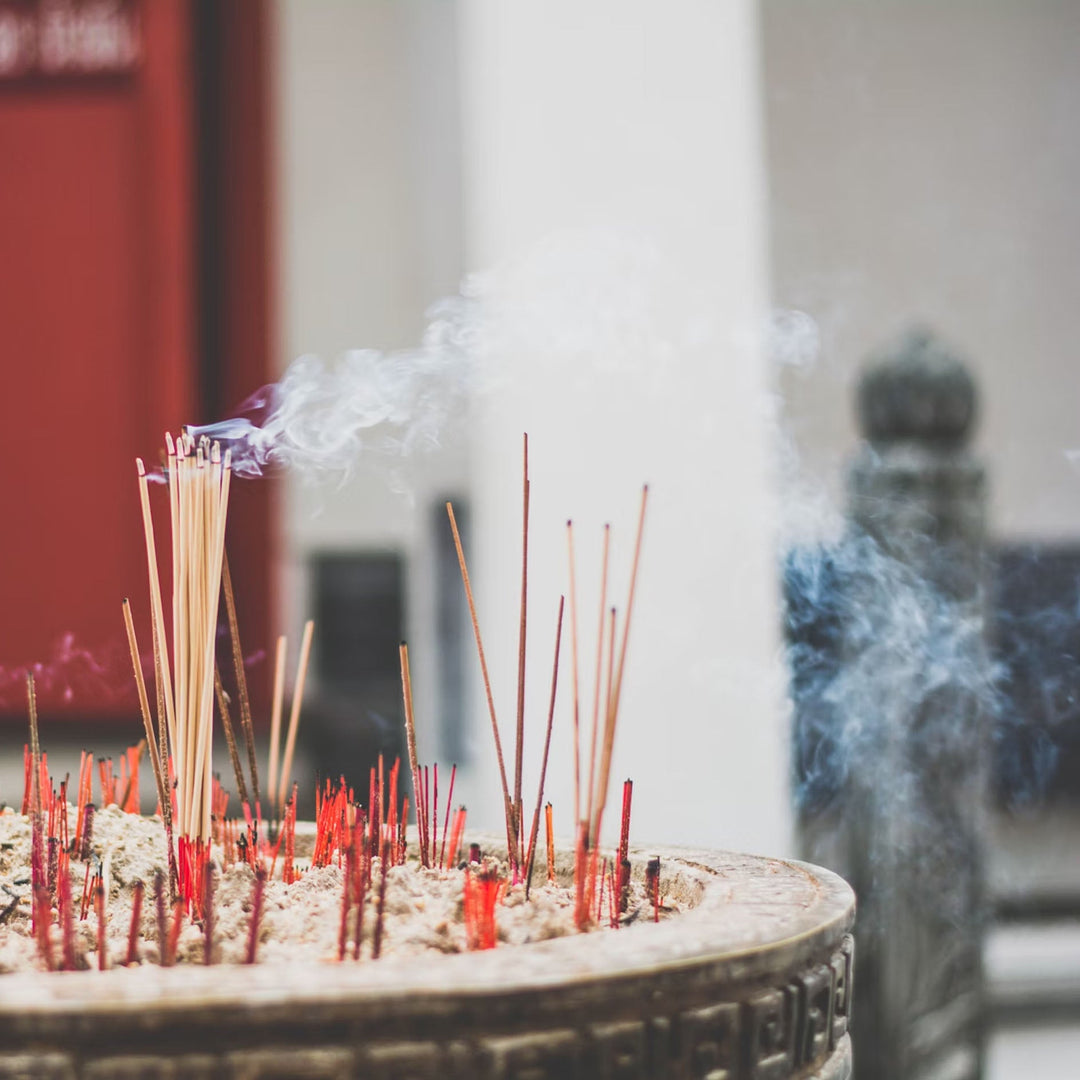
pixel 1038 1053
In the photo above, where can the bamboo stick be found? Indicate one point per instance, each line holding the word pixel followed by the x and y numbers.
pixel 275 721
pixel 511 838
pixel 294 717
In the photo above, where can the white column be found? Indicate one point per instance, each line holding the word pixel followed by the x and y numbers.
pixel 613 180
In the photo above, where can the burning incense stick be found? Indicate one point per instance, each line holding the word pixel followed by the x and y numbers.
pixel 199 478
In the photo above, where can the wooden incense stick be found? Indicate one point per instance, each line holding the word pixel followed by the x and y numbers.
pixel 574 671
pixel 519 742
pixel 596 685
pixel 144 705
pixel 547 747
pixel 230 737
pixel 275 722
pixel 613 707
pixel 410 742
pixel 161 665
pixel 511 838
pixel 294 716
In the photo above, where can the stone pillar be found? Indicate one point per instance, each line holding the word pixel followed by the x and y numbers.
pixel 892 688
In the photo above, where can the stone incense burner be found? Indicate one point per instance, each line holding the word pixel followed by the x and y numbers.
pixel 753 982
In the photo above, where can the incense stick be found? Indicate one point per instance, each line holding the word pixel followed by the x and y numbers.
pixel 574 670
pixel 230 737
pixel 510 832
pixel 519 742
pixel 410 743
pixel 613 707
pixel 144 705
pixel 294 716
pixel 547 746
pixel 599 666
pixel 275 721
pixel 246 724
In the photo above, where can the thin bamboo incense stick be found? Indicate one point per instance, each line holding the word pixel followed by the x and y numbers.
pixel 410 742
pixel 511 839
pixel 613 709
pixel 519 742
pixel 609 734
pixel 144 705
pixel 162 672
pixel 596 686
pixel 294 716
pixel 547 747
pixel 275 722
pixel 574 671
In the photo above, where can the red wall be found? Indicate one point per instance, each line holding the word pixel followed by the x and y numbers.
pixel 98 332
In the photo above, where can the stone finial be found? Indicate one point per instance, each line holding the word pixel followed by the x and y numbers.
pixel 916 390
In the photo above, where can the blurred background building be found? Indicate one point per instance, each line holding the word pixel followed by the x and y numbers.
pixel 665 238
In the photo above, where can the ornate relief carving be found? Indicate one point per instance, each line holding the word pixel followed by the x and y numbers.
pixel 800 1027
pixel 843 965
pixel 403 1061
pixel 816 993
pixel 771 1026
pixel 542 1056
pixel 621 1051
pixel 709 1041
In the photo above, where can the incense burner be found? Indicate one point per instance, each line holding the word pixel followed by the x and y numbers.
pixel 753 982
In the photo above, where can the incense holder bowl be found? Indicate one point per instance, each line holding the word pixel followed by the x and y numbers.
pixel 752 982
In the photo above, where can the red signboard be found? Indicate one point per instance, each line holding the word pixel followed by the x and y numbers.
pixel 47 39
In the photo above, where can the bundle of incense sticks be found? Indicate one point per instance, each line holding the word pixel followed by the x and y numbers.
pixel 198 480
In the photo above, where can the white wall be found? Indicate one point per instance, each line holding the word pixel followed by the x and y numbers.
pixel 924 162
pixel 369 203
pixel 613 179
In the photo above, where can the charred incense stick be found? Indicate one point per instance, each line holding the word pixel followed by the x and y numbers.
pixel 99 904
pixel 511 840
pixel 519 742
pixel 241 678
pixel 547 747
pixel 230 738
